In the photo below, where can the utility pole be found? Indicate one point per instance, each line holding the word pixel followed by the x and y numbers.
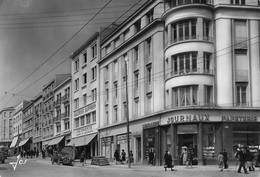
pixel 127 115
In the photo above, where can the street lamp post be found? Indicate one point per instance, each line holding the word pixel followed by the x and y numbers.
pixel 127 115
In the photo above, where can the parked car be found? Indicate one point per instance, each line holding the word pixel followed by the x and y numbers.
pixel 66 156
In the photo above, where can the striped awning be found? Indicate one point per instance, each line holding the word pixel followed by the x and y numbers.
pixel 81 141
pixel 14 141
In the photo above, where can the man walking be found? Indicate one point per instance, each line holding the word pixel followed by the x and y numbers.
pixel 241 156
pixel 225 158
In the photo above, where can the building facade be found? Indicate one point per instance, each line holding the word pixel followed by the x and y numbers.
pixel 37 128
pixel 48 110
pixel 84 71
pixel 62 115
pixel 6 124
pixel 28 124
pixel 192 74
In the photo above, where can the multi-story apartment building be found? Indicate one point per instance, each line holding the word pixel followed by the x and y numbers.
pixel 6 126
pixel 62 115
pixel 17 125
pixel 27 127
pixel 84 123
pixel 37 136
pixel 192 70
pixel 48 109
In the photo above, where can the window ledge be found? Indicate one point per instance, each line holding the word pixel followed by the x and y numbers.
pixel 84 65
pixel 84 86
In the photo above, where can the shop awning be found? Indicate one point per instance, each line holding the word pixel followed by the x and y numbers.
pixel 23 142
pixel 44 143
pixel 55 140
pixel 14 141
pixel 81 141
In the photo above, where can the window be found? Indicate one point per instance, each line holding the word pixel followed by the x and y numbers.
pixel 58 128
pixel 136 53
pixel 85 99
pixel 115 90
pixel 136 107
pixel 124 109
pixel 148 103
pixel 85 78
pixel 88 119
pixel 85 58
pixel 115 70
pixel 184 63
pixel 149 74
pixel 67 125
pixel 206 62
pixel 126 34
pixel 76 64
pixel 148 48
pixel 94 72
pixel 94 118
pixel 240 34
pixel 150 16
pixel 184 96
pixel 94 94
pixel 137 26
pixel 206 30
pixel 76 102
pixel 77 84
pixel 82 120
pixel 136 76
pixel 115 114
pixel 107 92
pixel 94 50
pixel 238 2
pixel 208 95
pixel 117 42
pixel 76 122
pixel 106 115
pixel 241 94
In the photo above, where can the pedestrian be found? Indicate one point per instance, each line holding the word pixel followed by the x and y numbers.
pixel 184 156
pixel 151 157
pixel 249 160
pixel 43 153
pixel 131 157
pixel 123 154
pixel 225 158
pixel 116 156
pixel 257 163
pixel 241 157
pixel 168 161
pixel 220 161
pixel 82 158
pixel 189 159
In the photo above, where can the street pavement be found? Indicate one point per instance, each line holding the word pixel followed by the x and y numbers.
pixel 39 167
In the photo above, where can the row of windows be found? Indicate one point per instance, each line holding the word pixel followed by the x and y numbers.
pixel 84 78
pixel 85 119
pixel 137 26
pixel 6 113
pixel 85 57
pixel 93 97
pixel 187 30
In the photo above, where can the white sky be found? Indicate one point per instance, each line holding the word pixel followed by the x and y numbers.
pixel 32 30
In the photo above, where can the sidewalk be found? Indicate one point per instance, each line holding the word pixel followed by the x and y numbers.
pixel 143 167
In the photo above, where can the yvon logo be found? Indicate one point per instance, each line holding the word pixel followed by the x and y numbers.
pixel 18 161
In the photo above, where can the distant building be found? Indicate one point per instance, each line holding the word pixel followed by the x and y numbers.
pixel 6 126
pixel 37 135
pixel 48 109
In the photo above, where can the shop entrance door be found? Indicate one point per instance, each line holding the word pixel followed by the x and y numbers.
pixel 138 149
pixel 188 141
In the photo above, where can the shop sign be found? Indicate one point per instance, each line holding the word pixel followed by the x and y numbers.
pixel 122 139
pixel 184 129
pixel 151 125
pixel 188 118
pixel 84 110
pixel 106 141
pixel 239 118
pixel 83 130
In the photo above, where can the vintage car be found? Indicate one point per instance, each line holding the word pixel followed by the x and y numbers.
pixel 66 156
pixel 3 154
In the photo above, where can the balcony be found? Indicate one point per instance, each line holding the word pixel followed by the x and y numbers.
pixel 56 119
pixel 189 38
pixel 189 71
pixel 57 103
pixel 242 76
pixel 171 4
pixel 65 98
pixel 65 115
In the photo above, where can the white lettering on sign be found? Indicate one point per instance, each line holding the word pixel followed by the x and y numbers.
pixel 84 130
pixel 239 118
pixel 18 161
pixel 188 118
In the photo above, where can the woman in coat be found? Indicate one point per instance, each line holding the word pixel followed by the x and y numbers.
pixel 168 161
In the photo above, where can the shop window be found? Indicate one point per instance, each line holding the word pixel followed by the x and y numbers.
pixel 208 141
pixel 208 95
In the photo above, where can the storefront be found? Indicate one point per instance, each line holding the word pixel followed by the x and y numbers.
pixel 207 132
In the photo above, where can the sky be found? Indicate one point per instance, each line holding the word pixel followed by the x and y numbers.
pixel 37 38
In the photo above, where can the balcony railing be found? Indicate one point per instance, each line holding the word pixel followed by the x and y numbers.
pixel 173 3
pixel 57 103
pixel 190 38
pixel 65 115
pixel 66 98
pixel 189 71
